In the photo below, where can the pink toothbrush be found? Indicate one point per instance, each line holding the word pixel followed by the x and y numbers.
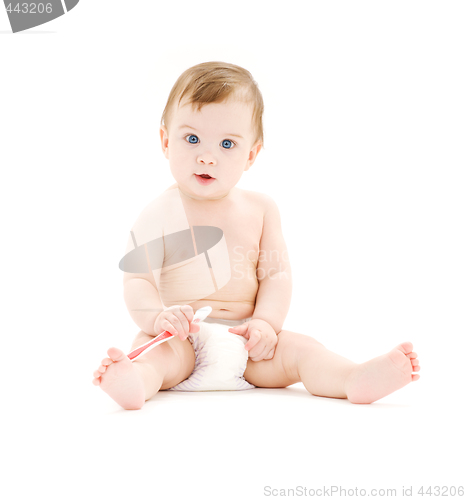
pixel 201 315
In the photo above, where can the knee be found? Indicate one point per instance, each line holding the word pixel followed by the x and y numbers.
pixel 299 347
pixel 309 345
pixel 298 340
pixel 291 348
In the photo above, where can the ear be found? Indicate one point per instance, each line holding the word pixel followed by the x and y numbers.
pixel 164 140
pixel 253 154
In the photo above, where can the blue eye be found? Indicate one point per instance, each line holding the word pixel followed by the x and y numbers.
pixel 227 144
pixel 192 139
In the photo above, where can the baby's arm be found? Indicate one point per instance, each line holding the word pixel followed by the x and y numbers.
pixel 142 300
pixel 274 294
pixel 273 271
pixel 141 293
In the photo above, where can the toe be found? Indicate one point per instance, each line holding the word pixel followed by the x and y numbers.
pixel 97 374
pixel 412 355
pixel 96 381
pixel 106 362
pixel 416 368
pixel 415 377
pixel 415 362
pixel 406 347
pixel 116 354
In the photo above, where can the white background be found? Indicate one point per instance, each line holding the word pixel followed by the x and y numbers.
pixel 365 157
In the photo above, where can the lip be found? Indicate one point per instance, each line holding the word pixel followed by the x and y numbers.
pixel 204 182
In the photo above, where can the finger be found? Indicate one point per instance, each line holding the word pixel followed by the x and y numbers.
pixel 194 327
pixel 181 323
pixel 177 321
pixel 268 351
pixel 188 312
pixel 239 330
pixel 166 325
pixel 259 352
pixel 254 338
pixel 270 354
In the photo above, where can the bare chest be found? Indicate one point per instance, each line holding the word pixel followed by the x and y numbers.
pixel 241 221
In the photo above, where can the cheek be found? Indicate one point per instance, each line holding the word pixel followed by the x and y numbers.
pixel 179 155
pixel 235 155
pixel 241 157
pixel 231 162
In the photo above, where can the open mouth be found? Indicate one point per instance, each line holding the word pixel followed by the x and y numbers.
pixel 204 179
pixel 205 176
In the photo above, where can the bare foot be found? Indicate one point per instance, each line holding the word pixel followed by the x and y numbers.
pixel 120 379
pixel 383 375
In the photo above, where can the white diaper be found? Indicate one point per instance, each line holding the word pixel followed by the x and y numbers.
pixel 221 358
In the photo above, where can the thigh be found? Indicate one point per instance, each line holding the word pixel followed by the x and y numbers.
pixel 175 356
pixel 282 369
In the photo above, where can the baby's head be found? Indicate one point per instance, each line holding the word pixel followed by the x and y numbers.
pixel 215 82
pixel 212 124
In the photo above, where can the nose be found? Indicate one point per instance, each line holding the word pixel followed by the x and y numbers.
pixel 206 158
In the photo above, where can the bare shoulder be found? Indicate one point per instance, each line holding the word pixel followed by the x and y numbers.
pixel 156 204
pixel 262 201
pixel 152 222
pixel 271 219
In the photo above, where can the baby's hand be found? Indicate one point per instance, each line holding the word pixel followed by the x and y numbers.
pixel 262 338
pixel 176 320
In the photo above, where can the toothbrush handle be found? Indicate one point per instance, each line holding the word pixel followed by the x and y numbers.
pixel 166 335
pixel 137 352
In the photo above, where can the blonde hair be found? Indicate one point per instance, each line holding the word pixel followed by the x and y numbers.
pixel 215 82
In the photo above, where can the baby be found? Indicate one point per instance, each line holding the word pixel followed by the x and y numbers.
pixel 204 242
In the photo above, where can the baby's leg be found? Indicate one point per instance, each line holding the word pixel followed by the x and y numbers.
pixel 327 374
pixel 130 384
pixel 299 358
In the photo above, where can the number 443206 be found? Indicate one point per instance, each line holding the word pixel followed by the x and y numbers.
pixel 442 491
pixel 30 8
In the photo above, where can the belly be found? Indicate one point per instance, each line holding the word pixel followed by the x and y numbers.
pixel 225 310
pixel 236 300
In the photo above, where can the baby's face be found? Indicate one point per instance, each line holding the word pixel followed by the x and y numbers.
pixel 218 140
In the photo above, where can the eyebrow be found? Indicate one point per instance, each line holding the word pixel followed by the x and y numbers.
pixel 192 128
